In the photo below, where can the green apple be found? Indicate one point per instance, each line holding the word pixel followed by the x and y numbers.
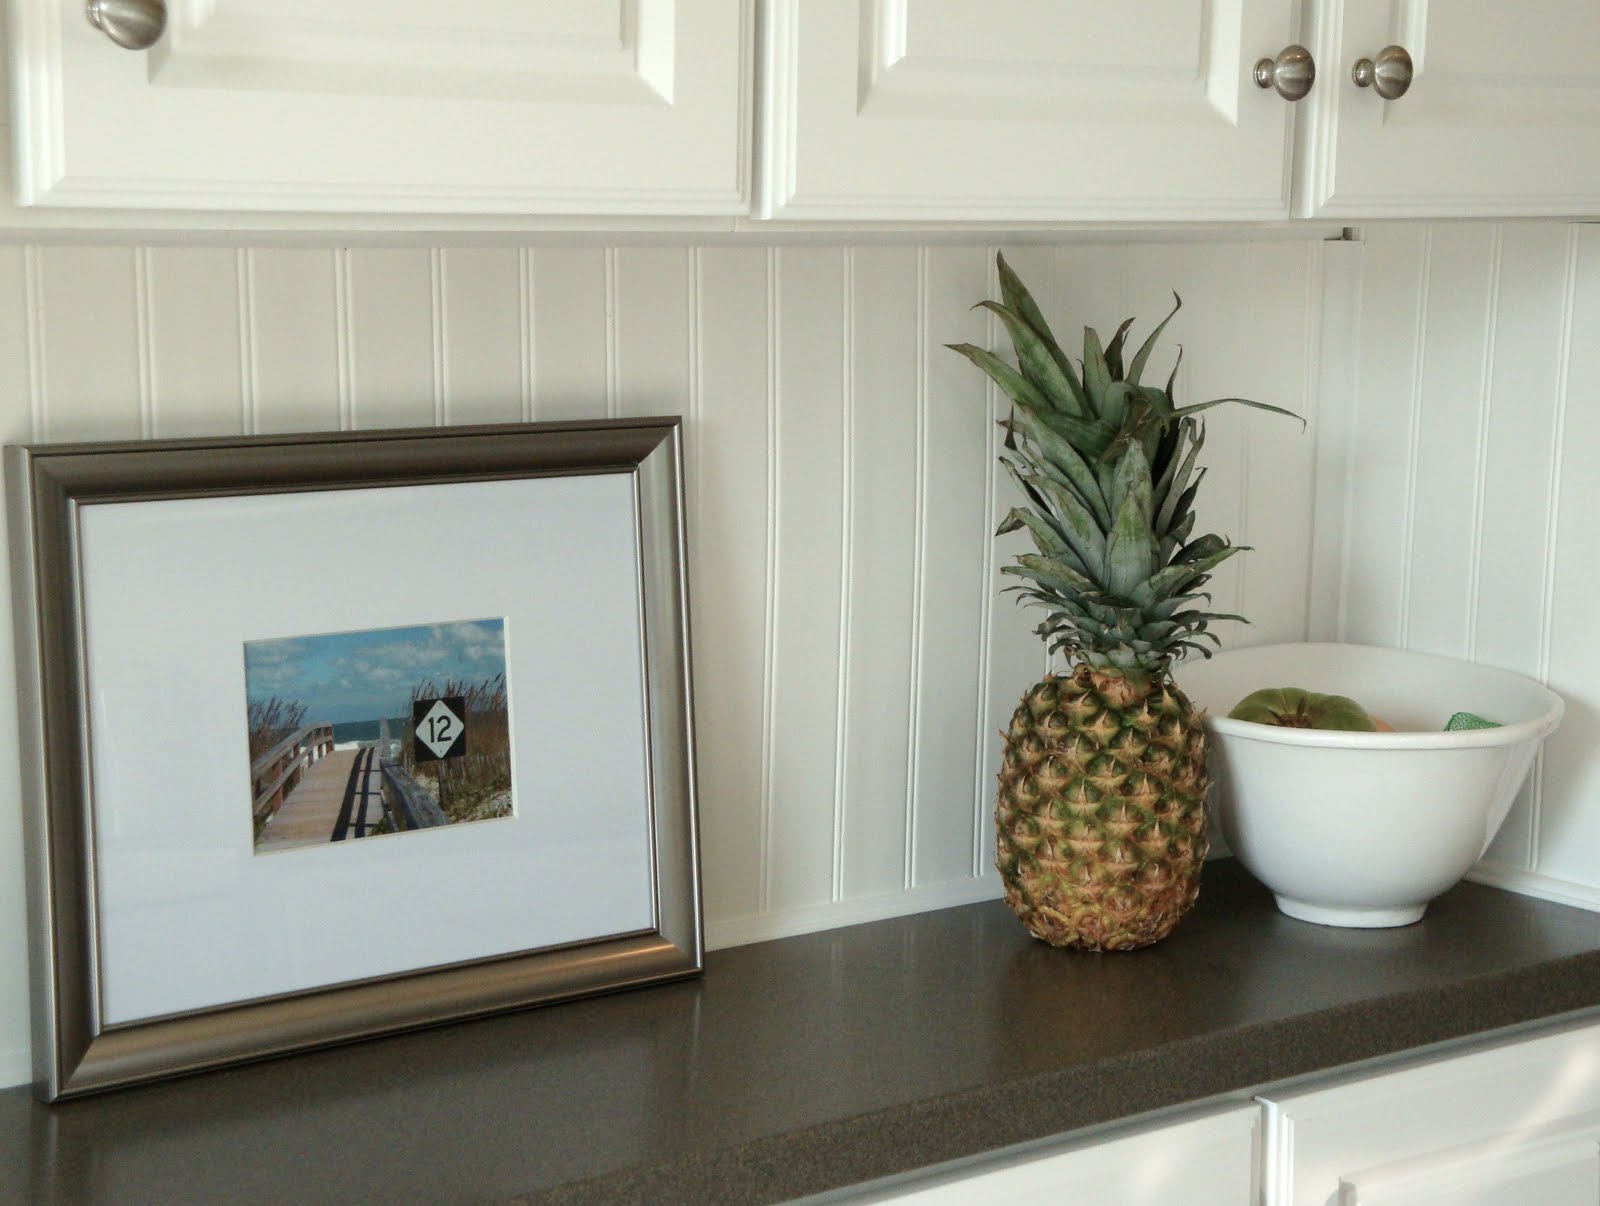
pixel 1296 708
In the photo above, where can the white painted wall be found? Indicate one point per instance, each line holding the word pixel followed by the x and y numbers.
pixel 853 663
pixel 1472 494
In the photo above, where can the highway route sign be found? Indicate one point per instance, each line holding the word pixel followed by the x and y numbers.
pixel 439 727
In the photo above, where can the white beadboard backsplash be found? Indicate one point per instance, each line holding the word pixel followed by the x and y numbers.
pixel 1470 510
pixel 853 662
pixel 853 659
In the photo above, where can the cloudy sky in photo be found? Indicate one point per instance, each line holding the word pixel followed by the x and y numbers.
pixel 345 676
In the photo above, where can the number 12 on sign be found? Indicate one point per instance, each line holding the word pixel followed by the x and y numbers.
pixel 439 727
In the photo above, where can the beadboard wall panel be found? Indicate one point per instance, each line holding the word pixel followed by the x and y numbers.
pixel 730 441
pixel 854 662
pixel 951 723
pixel 1512 560
pixel 1566 816
pixel 92 312
pixel 884 516
pixel 395 366
pixel 1223 309
pixel 194 303
pixel 1471 494
pixel 294 316
pixel 652 338
pixel 804 716
pixel 481 348
pixel 574 370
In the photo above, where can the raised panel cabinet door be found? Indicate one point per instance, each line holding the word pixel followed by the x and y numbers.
pixel 1022 110
pixel 1203 1161
pixel 578 107
pixel 1502 116
pixel 1518 1121
pixel 1563 1171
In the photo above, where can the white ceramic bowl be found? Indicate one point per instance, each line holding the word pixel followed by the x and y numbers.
pixel 1363 829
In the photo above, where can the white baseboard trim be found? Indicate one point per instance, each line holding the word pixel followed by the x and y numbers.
pixel 1531 883
pixel 762 927
pixel 16 1067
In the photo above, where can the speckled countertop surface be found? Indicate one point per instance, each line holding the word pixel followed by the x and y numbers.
pixel 816 1062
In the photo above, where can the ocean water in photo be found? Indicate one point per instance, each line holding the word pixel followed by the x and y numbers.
pixel 367 730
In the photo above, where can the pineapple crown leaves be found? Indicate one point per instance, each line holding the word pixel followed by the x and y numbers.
pixel 1107 466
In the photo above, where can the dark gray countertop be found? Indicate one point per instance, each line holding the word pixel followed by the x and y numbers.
pixel 815 1062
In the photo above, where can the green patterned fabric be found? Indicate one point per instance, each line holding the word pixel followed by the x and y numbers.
pixel 1467 720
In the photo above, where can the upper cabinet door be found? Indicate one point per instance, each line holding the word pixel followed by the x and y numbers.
pixel 1502 116
pixel 423 106
pixel 1022 110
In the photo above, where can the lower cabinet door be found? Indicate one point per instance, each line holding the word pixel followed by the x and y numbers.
pixel 1205 1160
pixel 1562 1171
pixel 1511 1124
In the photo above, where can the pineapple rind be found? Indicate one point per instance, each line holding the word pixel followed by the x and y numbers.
pixel 1100 815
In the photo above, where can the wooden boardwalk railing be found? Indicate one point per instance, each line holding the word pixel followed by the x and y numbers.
pixel 274 774
pixel 407 801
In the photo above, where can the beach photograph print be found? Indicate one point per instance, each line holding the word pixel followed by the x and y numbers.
pixel 388 730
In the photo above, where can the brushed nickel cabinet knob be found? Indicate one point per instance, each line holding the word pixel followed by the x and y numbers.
pixel 135 24
pixel 1388 73
pixel 1292 73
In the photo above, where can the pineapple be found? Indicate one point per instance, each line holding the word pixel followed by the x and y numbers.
pixel 1101 806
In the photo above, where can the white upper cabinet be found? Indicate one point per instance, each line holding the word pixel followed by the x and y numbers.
pixel 1022 110
pixel 871 111
pixel 1502 116
pixel 423 106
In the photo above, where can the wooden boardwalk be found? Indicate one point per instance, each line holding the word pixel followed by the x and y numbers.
pixel 340 797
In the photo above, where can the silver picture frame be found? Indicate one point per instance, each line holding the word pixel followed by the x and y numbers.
pixel 75 1051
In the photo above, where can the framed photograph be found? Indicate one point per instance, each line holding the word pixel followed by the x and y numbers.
pixel 332 735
